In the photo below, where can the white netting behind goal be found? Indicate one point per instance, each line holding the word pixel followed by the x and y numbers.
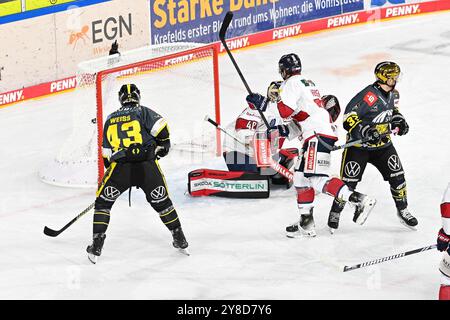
pixel 179 81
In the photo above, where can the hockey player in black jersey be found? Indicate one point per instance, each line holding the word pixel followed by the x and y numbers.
pixel 373 114
pixel 134 138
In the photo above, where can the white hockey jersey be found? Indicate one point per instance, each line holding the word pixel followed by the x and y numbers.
pixel 246 125
pixel 301 102
pixel 445 210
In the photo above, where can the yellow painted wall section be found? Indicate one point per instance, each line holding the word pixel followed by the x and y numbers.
pixel 10 7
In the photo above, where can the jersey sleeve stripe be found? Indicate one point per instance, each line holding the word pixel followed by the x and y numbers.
pixel 158 127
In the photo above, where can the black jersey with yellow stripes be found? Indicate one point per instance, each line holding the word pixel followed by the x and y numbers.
pixel 372 106
pixel 133 125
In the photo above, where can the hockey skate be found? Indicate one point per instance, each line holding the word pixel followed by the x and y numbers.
pixel 303 228
pixel 179 240
pixel 407 219
pixel 363 206
pixel 95 249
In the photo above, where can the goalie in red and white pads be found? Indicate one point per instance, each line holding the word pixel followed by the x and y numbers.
pixel 444 246
pixel 239 153
pixel 300 102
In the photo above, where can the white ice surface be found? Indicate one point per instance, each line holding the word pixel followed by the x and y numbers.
pixel 238 247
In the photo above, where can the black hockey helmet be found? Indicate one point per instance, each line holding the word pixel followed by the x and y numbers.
pixel 331 104
pixel 289 65
pixel 129 93
pixel 387 72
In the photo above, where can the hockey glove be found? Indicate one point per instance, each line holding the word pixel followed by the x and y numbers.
pixel 161 151
pixel 371 135
pixel 443 241
pixel 331 104
pixel 257 101
pixel 273 91
pixel 280 130
pixel 114 48
pixel 398 121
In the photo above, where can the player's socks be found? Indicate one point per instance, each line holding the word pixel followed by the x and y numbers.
pixel 444 293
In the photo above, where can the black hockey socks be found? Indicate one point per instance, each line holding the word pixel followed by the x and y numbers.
pixel 169 217
pixel 101 221
pixel 398 191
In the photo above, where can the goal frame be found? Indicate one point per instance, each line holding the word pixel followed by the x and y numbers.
pixel 99 94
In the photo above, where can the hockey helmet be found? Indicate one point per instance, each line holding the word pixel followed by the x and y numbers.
pixel 129 94
pixel 331 104
pixel 387 72
pixel 289 65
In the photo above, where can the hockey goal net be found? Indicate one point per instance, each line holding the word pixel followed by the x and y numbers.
pixel 179 81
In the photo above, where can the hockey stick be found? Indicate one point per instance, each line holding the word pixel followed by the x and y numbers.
pixel 334 148
pixel 54 233
pixel 215 124
pixel 395 256
pixel 285 172
pixel 222 32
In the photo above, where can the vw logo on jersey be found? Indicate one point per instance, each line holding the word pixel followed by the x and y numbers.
pixel 158 193
pixel 352 169
pixel 394 163
pixel 111 193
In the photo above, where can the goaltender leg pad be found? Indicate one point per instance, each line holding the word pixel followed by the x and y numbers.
pixel 238 184
pixel 316 158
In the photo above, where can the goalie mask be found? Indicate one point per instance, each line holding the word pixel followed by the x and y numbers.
pixel 129 94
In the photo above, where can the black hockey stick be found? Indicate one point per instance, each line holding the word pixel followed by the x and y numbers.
pixel 222 32
pixel 285 172
pixel 334 148
pixel 215 124
pixel 395 256
pixel 54 233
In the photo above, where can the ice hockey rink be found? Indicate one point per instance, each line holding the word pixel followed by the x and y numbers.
pixel 238 247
